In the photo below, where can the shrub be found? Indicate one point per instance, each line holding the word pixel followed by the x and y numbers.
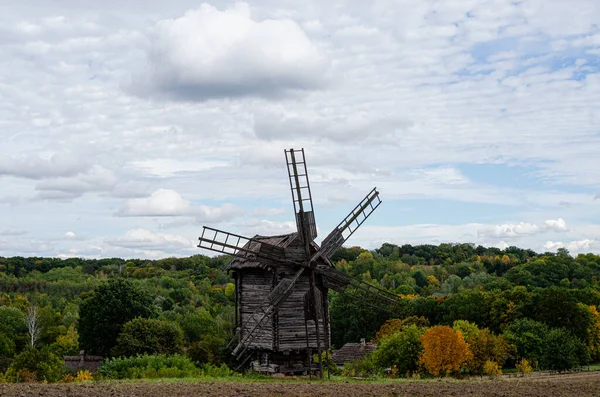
pixel 148 336
pixel 146 366
pixel 491 369
pixel 67 378
pixel 363 368
pixel 41 362
pixel 26 376
pixel 215 371
pixel 524 366
pixel 84 376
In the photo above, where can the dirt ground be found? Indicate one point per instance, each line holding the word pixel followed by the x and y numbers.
pixel 583 384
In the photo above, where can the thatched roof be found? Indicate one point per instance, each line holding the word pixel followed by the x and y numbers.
pixel 352 352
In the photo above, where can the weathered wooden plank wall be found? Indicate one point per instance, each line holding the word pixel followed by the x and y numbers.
pixel 291 331
pixel 255 286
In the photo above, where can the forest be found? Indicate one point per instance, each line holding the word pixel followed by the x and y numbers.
pixel 491 308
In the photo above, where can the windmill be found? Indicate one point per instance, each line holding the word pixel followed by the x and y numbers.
pixel 282 282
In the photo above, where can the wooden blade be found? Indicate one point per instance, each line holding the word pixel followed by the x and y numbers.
pixel 338 281
pixel 348 226
pixel 240 246
pixel 301 195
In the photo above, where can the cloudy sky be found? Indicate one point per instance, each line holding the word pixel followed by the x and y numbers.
pixel 127 125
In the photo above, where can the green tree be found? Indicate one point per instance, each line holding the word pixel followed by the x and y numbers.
pixel 148 336
pixel 563 351
pixel 402 349
pixel 452 285
pixel 528 337
pixel 103 314
pixel 469 330
pixel 12 324
pixel 352 320
pixel 44 364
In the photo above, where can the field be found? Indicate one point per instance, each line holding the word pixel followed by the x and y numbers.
pixel 583 384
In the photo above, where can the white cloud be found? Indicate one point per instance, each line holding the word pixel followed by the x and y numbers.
pixel 163 202
pixel 167 202
pixel 558 225
pixel 211 53
pixel 266 228
pixel 577 246
pixel 97 179
pixel 521 229
pixel 509 230
pixel 146 239
pixel 280 124
pixel 35 167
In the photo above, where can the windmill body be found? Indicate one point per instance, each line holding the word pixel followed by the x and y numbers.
pixel 282 282
pixel 287 336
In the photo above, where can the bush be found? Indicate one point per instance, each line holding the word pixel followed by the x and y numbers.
pixel 362 368
pixel 148 336
pixel 491 369
pixel 42 363
pixel 524 366
pixel 216 371
pixel 84 376
pixel 146 366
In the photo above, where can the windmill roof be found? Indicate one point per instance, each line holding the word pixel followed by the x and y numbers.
pixel 352 352
pixel 282 240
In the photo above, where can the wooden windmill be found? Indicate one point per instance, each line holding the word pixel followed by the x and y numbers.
pixel 282 282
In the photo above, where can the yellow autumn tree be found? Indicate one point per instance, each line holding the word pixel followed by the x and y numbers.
pixel 486 347
pixel 593 337
pixel 433 281
pixel 444 350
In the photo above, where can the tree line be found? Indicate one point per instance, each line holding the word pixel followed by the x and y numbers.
pixel 122 308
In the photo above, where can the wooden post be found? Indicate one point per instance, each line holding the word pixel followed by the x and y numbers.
pixel 313 292
pixel 326 325
pixel 308 352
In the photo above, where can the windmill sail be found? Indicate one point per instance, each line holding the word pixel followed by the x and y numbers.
pixel 333 278
pixel 348 226
pixel 301 195
pixel 240 246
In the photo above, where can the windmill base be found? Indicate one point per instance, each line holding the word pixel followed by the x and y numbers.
pixel 288 363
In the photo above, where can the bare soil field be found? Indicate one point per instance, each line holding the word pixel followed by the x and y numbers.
pixel 583 384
